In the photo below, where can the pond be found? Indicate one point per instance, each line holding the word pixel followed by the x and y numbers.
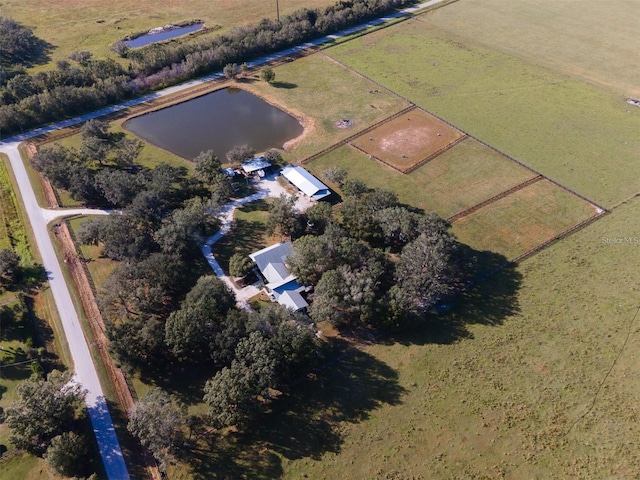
pixel 165 34
pixel 217 121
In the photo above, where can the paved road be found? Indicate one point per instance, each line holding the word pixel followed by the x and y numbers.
pixel 85 372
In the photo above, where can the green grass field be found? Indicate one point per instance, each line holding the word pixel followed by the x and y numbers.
pixel 247 235
pixel 454 181
pixel 552 34
pixel 579 135
pixel 523 220
pixel 320 92
pixel 79 26
pixel 491 390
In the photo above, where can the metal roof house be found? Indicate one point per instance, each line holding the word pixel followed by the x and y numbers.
pixel 256 164
pixel 305 182
pixel 281 285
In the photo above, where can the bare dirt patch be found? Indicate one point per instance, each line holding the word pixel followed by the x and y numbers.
pixel 409 139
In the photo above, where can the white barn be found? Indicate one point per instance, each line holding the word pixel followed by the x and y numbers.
pixel 305 182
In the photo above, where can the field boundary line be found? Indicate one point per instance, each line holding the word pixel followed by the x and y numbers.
pixel 372 156
pixel 347 140
pixel 468 134
pixel 495 198
pixel 560 236
pixel 362 75
pixel 435 154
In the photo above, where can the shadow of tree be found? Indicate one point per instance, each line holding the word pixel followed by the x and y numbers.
pixel 285 85
pixel 303 423
pixel 488 300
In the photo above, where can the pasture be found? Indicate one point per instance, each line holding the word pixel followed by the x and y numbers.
pixel 523 220
pixel 514 382
pixel 552 34
pixel 77 26
pixel 408 139
pixel 575 133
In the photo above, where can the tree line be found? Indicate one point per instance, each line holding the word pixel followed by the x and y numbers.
pixel 378 263
pixel 163 309
pixel 72 89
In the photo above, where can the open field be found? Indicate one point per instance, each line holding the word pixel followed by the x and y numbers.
pixel 537 343
pixel 320 92
pixel 577 134
pixel 78 26
pixel 408 139
pixel 461 177
pixel 552 34
pixel 523 220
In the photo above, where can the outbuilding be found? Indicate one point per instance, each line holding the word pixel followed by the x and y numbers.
pixel 305 182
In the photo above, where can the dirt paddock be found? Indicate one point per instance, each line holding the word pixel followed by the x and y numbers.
pixel 405 141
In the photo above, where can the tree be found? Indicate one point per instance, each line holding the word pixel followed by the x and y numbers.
pixel 191 330
pixel 95 128
pixel 137 342
pixel 429 270
pixel 231 70
pixel 267 74
pixel 235 393
pixel 127 150
pixel 17 43
pixel 240 154
pixel 273 156
pixel 118 187
pixel 43 409
pixel 157 421
pixel 186 228
pixel 208 166
pixel 401 226
pixel 313 255
pixel 354 188
pixel 283 217
pixel 335 175
pixel 240 265
pixel 319 215
pixel 66 453
pixel 82 57
pixel 347 295
pixel 9 266
pixel 90 231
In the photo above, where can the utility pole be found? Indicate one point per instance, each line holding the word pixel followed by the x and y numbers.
pixel 278 10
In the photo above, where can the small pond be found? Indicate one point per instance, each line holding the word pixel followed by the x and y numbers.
pixel 162 35
pixel 217 121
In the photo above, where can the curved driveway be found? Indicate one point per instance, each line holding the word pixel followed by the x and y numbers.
pixel 85 372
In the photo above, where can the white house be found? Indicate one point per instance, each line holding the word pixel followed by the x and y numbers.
pixel 281 285
pixel 305 182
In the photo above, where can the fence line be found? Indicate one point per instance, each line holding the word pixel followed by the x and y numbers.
pixel 356 135
pixel 495 198
pixel 435 154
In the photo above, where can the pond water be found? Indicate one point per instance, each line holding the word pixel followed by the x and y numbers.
pixel 164 35
pixel 217 121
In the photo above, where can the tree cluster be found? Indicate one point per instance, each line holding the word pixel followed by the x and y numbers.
pixel 30 100
pixel 382 265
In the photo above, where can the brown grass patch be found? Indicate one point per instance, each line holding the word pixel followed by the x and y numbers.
pixel 408 139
